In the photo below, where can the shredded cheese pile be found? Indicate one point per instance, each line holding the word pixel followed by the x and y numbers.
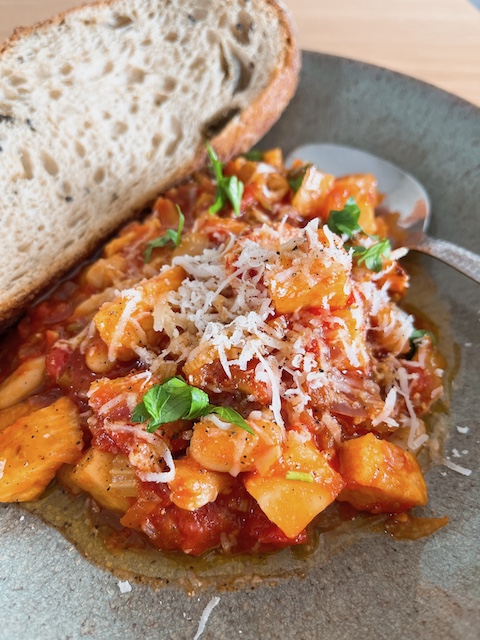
pixel 224 310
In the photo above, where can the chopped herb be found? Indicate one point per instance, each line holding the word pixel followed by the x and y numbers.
pixel 346 220
pixel 417 335
pixel 140 413
pixel 228 188
pixel 230 415
pixel 415 339
pixel 167 402
pixel 372 256
pixel 174 400
pixel 299 475
pixel 169 236
pixel 296 176
pixel 254 155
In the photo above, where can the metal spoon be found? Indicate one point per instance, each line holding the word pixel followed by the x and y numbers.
pixel 403 195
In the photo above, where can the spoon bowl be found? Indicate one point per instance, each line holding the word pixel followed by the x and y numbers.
pixel 404 195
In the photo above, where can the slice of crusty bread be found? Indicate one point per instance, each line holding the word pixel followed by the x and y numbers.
pixel 104 106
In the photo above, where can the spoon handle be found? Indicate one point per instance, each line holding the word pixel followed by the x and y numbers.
pixel 461 259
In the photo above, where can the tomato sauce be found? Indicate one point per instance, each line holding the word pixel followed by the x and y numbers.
pixel 347 394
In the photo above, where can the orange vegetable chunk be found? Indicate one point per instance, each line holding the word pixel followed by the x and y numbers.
pixel 11 414
pixel 310 274
pixel 293 503
pixel 273 157
pixel 380 476
pixel 93 474
pixel 363 189
pixel 34 447
pixel 313 191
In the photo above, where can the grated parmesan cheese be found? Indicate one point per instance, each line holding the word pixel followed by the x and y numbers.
pixel 133 298
pixel 130 400
pixel 271 374
pixel 415 440
pixel 224 312
pixel 205 616
pixel 218 422
pixel 456 467
pixel 389 406
pixel 124 586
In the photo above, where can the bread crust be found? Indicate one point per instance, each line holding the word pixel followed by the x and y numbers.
pixel 239 135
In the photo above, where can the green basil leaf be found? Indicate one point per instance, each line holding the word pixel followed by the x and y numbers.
pixel 233 188
pixel 254 155
pixel 417 335
pixel 217 205
pixel 175 400
pixel 358 249
pixel 167 402
pixel 346 220
pixel 140 413
pixel 199 401
pixel 229 189
pixel 181 224
pixel 372 256
pixel 295 177
pixel 299 475
pixel 162 241
pixel 215 163
pixel 169 236
pixel 230 415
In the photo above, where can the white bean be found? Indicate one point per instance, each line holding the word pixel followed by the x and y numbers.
pixel 24 381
